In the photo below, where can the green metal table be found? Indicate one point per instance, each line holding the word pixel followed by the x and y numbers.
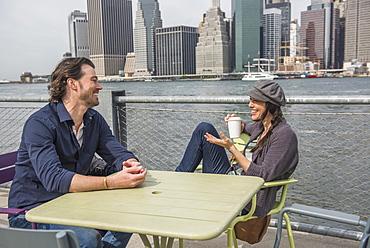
pixel 169 205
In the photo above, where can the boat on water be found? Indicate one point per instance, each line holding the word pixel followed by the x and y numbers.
pixel 255 76
pixel 4 81
pixel 315 75
pixel 211 79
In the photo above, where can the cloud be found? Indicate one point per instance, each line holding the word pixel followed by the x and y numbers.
pixel 35 35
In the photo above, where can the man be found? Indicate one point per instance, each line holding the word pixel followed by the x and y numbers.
pixel 58 144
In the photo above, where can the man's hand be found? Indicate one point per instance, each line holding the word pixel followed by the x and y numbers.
pixel 131 175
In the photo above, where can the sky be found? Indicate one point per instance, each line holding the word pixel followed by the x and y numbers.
pixel 34 33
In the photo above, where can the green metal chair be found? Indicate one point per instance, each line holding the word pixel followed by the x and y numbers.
pixel 240 143
pixel 36 238
pixel 279 204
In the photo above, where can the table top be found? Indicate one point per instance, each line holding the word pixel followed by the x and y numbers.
pixel 184 205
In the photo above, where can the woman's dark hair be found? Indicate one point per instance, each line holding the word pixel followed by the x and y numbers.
pixel 67 68
pixel 277 116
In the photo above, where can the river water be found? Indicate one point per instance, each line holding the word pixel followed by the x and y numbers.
pixel 292 87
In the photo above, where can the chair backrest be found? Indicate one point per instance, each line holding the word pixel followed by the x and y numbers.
pixel 279 204
pixel 7 169
pixel 19 238
pixel 242 141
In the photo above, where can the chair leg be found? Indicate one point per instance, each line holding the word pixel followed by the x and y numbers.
pixel 289 230
pixel 233 234
pixel 280 227
pixel 231 239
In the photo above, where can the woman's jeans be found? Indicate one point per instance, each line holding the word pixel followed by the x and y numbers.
pixel 214 157
pixel 87 237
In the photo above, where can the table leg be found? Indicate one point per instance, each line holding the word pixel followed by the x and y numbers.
pixel 165 242
pixel 170 242
pixel 145 240
pixel 156 241
pixel 181 243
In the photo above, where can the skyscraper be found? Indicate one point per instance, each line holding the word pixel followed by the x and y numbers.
pixel 110 34
pixel 212 51
pixel 319 25
pixel 341 5
pixel 247 25
pixel 285 7
pixel 312 34
pixel 272 36
pixel 175 48
pixel 148 18
pixel 294 38
pixel 357 37
pixel 78 34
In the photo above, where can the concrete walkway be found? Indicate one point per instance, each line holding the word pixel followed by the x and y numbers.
pixel 302 240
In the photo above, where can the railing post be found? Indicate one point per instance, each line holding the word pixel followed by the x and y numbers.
pixel 120 118
pixel 114 113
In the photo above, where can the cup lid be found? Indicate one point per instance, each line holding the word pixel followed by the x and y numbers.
pixel 237 118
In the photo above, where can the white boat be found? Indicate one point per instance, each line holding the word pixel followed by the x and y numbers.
pixel 255 76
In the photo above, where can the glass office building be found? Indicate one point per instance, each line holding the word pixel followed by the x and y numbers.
pixel 357 34
pixel 247 25
pixel 319 33
pixel 175 49
pixel 148 18
pixel 272 37
pixel 285 7
pixel 78 34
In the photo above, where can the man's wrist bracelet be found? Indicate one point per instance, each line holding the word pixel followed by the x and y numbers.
pixel 105 183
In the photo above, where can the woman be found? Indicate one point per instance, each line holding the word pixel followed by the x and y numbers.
pixel 273 145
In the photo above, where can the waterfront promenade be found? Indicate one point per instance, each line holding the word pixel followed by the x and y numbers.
pixel 329 133
pixel 302 239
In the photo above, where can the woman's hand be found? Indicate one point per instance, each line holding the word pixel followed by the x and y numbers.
pixel 228 116
pixel 224 141
pixel 233 115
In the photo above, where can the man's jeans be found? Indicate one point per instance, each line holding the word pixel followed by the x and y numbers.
pixel 87 237
pixel 214 157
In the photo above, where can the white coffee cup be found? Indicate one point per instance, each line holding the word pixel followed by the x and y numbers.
pixel 235 126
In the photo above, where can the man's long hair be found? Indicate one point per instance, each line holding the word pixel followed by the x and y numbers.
pixel 277 116
pixel 67 68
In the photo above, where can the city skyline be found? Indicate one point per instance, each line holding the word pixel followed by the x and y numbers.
pixel 35 34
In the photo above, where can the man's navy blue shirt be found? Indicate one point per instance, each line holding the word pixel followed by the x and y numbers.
pixel 50 155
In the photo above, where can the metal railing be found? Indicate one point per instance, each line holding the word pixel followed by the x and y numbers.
pixel 333 137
